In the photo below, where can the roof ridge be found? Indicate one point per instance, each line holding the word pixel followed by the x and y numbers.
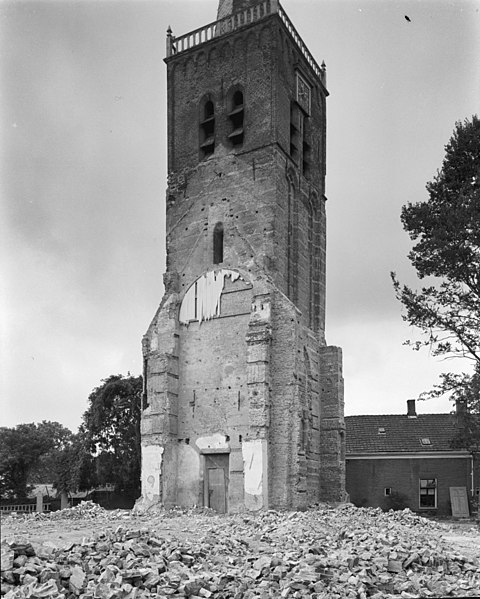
pixel 400 415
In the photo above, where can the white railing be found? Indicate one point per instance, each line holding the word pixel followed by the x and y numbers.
pixel 176 45
pixel 24 507
pixel 319 71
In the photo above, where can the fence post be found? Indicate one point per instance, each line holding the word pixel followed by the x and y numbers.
pixel 40 501
pixel 63 500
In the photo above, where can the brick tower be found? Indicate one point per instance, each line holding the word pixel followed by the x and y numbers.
pixel 243 399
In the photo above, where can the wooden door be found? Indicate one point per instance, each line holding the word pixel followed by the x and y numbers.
pixel 217 481
pixel 459 501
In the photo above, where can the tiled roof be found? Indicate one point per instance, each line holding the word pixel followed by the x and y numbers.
pixel 364 434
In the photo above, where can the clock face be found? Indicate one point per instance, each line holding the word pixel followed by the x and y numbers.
pixel 303 93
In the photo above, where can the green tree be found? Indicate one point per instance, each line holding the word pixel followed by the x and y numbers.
pixel 111 426
pixel 73 467
pixel 446 232
pixel 22 450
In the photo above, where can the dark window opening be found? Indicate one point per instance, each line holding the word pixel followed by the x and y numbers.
pixel 236 118
pixel 428 493
pixel 207 130
pixel 306 147
pixel 300 146
pixel 145 403
pixel 218 244
pixel 296 132
pixel 209 109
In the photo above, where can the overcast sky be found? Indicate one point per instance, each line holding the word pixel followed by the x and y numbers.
pixel 83 177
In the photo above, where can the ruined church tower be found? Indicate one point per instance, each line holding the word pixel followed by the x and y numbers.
pixel 243 398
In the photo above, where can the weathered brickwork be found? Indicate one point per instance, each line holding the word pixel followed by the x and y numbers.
pixel 368 479
pixel 332 426
pixel 243 399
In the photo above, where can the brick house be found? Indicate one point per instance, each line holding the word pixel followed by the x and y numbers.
pixel 395 460
pixel 243 398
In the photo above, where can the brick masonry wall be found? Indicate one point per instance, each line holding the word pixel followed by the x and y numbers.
pixel 213 390
pixel 257 374
pixel 284 430
pixel 307 425
pixel 249 186
pixel 367 480
pixel 159 424
pixel 332 426
pixel 253 373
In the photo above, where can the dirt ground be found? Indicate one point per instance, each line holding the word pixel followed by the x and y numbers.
pixel 463 536
pixel 65 532
pixel 326 552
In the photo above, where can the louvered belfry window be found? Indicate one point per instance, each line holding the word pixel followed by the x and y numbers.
pixel 207 129
pixel 236 117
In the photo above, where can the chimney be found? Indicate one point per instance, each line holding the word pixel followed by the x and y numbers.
pixel 461 412
pixel 411 412
pixel 460 407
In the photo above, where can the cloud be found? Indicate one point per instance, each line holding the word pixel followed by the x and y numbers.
pixel 84 172
pixel 381 373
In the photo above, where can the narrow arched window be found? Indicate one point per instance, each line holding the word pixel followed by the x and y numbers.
pixel 218 244
pixel 207 129
pixel 236 118
pixel 209 109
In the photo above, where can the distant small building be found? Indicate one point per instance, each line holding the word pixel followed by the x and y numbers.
pixel 395 461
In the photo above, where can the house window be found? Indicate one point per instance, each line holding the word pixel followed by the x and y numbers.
pixel 381 431
pixel 387 491
pixel 428 493
pixel 425 441
pixel 236 118
pixel 218 244
pixel 207 129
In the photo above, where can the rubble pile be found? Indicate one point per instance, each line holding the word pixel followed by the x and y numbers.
pixel 322 553
pixel 86 510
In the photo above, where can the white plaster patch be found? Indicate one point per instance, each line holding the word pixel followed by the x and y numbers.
pixel 216 441
pixel 261 308
pixel 202 300
pixel 252 452
pixel 151 470
pixel 154 343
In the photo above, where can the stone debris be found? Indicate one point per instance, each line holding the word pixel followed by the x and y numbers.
pixel 323 553
pixel 86 510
